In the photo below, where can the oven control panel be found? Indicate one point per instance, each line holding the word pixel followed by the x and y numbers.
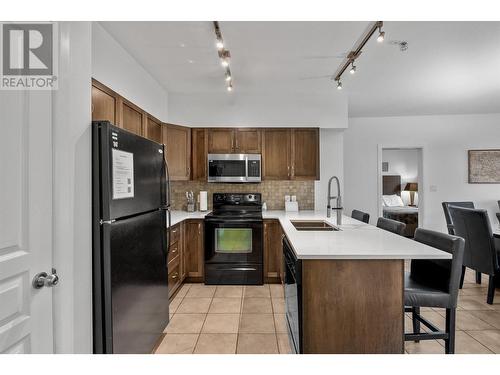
pixel 237 198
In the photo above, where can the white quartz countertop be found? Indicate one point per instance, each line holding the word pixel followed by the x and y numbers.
pixel 355 240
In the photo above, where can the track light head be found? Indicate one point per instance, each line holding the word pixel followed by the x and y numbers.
pixel 228 77
pixel 230 88
pixel 353 68
pixel 219 45
pixel 339 85
pixel 225 62
pixel 381 35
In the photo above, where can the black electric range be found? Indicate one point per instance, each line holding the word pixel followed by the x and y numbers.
pixel 234 240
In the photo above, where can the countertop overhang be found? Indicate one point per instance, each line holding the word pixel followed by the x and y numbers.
pixel 355 240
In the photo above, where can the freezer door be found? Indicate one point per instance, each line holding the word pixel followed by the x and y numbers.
pixel 135 283
pixel 132 175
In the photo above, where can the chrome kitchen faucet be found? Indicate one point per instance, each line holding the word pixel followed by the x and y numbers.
pixel 338 198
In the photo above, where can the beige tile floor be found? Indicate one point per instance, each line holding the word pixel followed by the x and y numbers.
pixel 226 320
pixel 250 319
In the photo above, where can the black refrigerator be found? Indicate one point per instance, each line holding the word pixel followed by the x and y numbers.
pixel 131 217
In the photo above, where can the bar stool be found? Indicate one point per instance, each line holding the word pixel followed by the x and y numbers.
pixel 434 283
pixel 391 225
pixel 361 216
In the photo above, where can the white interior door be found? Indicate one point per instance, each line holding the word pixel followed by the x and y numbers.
pixel 26 318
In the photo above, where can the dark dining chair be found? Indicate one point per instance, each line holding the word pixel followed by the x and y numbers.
pixel 449 224
pixel 434 283
pixel 480 252
pixel 391 225
pixel 361 216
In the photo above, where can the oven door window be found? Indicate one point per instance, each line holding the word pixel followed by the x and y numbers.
pixel 233 240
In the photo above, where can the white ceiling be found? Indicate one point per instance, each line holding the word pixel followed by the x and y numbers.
pixel 449 67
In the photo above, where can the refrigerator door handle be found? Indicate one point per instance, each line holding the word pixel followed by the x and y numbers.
pixel 169 192
pixel 169 224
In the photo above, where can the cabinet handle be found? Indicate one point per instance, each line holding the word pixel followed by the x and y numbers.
pixel 175 276
pixel 288 170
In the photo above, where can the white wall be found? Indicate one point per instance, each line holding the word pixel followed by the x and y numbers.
pixel 72 191
pixel 113 66
pixel 265 109
pixel 331 164
pixel 403 163
pixel 445 141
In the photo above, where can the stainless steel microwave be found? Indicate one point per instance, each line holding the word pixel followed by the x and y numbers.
pixel 234 168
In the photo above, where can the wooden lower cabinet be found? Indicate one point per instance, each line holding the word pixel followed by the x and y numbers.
pixel 352 306
pixel 194 250
pixel 174 260
pixel 273 251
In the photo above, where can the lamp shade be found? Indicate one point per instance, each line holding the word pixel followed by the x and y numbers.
pixel 411 186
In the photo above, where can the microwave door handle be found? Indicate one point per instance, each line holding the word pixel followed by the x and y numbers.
pixel 246 167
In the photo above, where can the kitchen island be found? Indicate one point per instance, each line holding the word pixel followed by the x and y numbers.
pixel 344 289
pixel 350 297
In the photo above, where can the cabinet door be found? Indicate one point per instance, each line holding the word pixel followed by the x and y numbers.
pixel 305 154
pixel 103 105
pixel 193 249
pixel 276 154
pixel 177 140
pixel 272 250
pixel 182 252
pixel 131 118
pixel 199 140
pixel 153 129
pixel 220 141
pixel 247 141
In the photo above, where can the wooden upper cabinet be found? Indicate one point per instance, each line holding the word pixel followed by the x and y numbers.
pixel 104 104
pixel 199 146
pixel 153 129
pixel 132 118
pixel 234 141
pixel 247 141
pixel 276 154
pixel 177 140
pixel 220 141
pixel 305 154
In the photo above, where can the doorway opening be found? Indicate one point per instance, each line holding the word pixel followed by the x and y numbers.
pixel 400 186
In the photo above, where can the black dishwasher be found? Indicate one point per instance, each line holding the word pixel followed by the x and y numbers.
pixel 293 296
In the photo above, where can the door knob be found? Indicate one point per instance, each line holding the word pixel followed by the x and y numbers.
pixel 42 279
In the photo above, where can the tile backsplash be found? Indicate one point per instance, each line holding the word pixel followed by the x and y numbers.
pixel 273 192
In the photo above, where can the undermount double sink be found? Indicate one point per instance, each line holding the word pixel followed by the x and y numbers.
pixel 313 225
